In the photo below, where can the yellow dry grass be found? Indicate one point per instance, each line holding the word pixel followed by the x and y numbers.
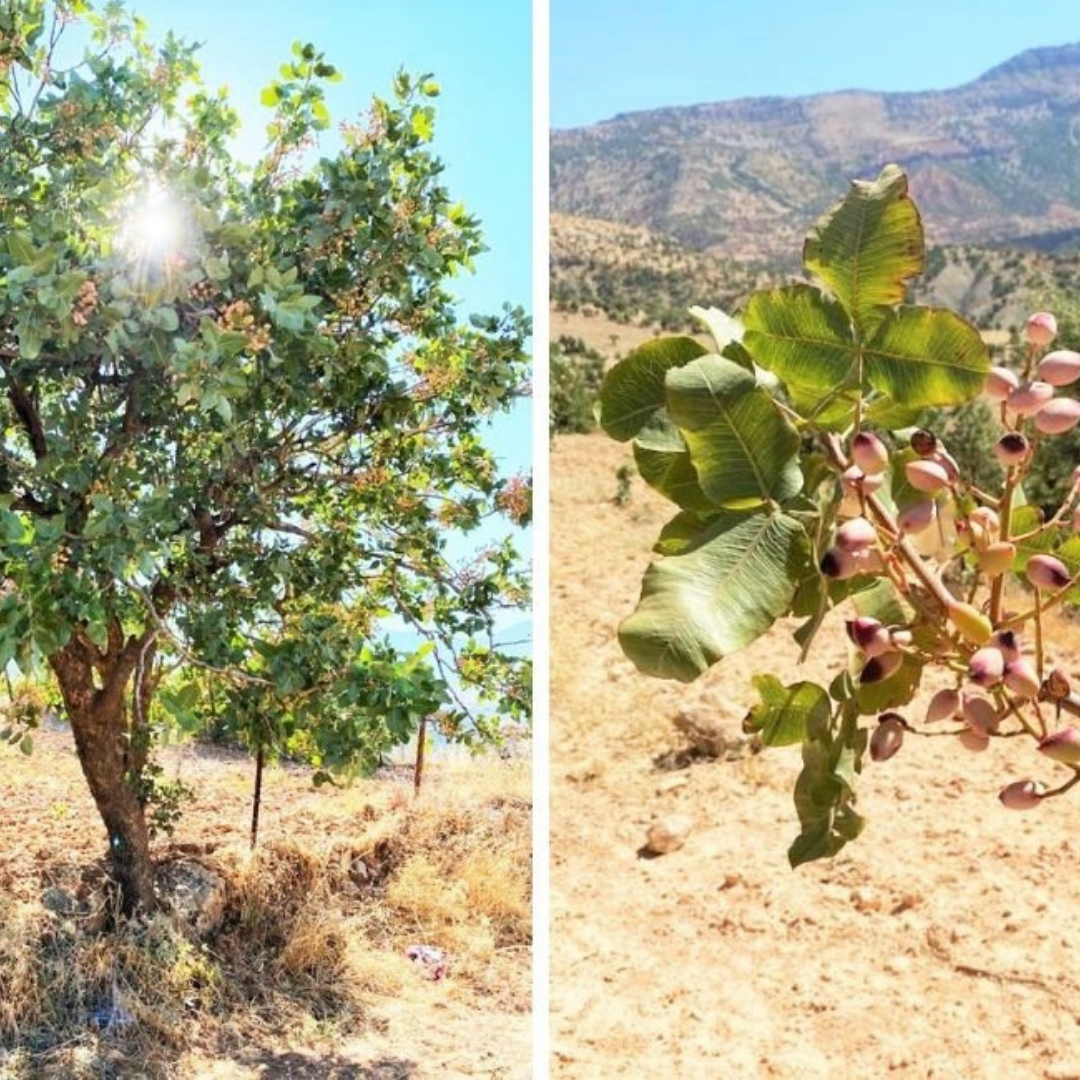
pixel 305 946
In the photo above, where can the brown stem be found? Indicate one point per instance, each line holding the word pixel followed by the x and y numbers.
pixel 1060 790
pixel 997 586
pixel 933 584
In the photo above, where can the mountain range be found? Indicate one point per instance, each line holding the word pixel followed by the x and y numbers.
pixel 993 162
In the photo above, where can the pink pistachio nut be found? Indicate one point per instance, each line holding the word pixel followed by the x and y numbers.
pixel 879 668
pixel 869 453
pixel 942 457
pixel 1058 416
pixel 1012 448
pixel 1007 642
pixel 857 534
pixel 887 737
pixel 1022 678
pixel 917 517
pixel 995 559
pixel 1046 572
pixel 1076 520
pixel 1063 746
pixel 986 666
pixel 926 475
pixel 979 714
pixel 1000 382
pixel 1060 367
pixel 1040 328
pixel 869 636
pixel 841 565
pixel 970 739
pixel 943 705
pixel 1021 795
pixel 1029 398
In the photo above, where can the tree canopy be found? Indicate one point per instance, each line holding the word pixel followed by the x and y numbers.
pixel 241 412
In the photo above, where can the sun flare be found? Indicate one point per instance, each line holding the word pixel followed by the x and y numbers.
pixel 153 234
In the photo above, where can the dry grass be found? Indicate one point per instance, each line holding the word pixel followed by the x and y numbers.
pixel 305 945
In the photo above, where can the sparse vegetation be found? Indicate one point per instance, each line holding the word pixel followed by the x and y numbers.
pixel 309 943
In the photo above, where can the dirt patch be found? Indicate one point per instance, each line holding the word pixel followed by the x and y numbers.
pixel 935 946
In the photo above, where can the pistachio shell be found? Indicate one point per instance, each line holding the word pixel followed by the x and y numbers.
pixel 1000 382
pixel 1058 416
pixel 1021 794
pixel 1060 367
pixel 926 475
pixel 1063 746
pixel 1040 328
pixel 869 453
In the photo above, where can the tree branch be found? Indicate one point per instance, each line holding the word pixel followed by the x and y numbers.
pixel 26 412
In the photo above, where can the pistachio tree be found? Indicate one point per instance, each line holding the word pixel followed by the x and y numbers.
pixel 804 484
pixel 241 413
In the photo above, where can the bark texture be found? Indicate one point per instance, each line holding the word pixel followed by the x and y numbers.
pixel 112 749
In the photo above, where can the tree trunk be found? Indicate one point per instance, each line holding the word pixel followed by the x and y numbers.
pixel 111 759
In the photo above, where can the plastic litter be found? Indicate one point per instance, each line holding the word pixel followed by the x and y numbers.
pixel 433 963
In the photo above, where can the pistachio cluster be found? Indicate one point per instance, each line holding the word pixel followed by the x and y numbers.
pixel 1001 687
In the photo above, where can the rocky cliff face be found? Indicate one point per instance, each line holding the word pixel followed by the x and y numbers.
pixel 994 161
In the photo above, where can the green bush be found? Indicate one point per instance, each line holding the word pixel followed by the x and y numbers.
pixel 576 374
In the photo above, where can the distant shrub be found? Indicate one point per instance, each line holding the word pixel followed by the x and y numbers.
pixel 576 374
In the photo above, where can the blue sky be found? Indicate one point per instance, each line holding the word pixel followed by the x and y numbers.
pixel 609 57
pixel 479 53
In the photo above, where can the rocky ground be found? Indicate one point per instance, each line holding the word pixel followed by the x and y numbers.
pixel 935 946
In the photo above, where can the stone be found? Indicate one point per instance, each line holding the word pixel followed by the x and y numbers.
pixel 668 834
pixel 194 892
pixel 714 735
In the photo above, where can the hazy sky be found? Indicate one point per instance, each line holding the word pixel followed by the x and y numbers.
pixel 609 57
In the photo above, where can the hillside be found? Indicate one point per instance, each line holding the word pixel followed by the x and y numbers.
pixel 996 161
pixel 638 277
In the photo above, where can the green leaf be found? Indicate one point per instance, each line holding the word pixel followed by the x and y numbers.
pixel 21 248
pixel 725 329
pixel 922 356
pixel 165 318
pixel 880 602
pixel 824 790
pixel 898 689
pixel 786 713
pixel 867 247
pixel 633 390
pixel 31 339
pixel 26 745
pixel 670 471
pixel 718 596
pixel 744 451
pixel 271 95
pixel 804 338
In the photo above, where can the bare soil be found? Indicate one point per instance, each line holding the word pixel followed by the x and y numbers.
pixel 938 945
pixel 389 1022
